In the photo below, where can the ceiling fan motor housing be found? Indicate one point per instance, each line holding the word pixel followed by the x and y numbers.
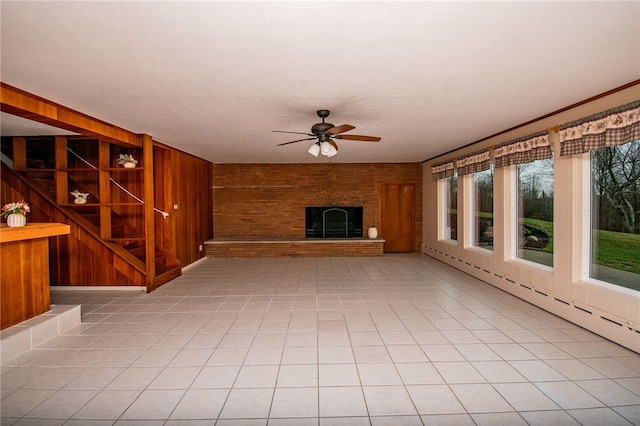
pixel 319 128
pixel 321 132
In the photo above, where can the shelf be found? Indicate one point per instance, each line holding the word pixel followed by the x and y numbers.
pixel 135 203
pixel 30 170
pixel 123 169
pixel 87 169
pixel 124 204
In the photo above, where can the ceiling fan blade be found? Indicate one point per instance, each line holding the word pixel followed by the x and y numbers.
pixel 358 138
pixel 299 140
pixel 340 129
pixel 297 133
pixel 333 144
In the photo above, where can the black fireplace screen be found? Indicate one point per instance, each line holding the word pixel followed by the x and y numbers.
pixel 334 222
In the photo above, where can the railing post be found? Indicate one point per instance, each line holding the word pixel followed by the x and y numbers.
pixel 149 224
pixel 61 174
pixel 104 186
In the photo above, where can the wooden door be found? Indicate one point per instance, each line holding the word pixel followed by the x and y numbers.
pixel 397 212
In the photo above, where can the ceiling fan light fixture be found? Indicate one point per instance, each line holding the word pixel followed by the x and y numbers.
pixel 325 148
pixel 324 133
pixel 314 150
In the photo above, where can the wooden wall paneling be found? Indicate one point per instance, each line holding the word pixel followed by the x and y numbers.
pixel 178 200
pixel 12 298
pixel 24 281
pixel 19 153
pixel 191 201
pixel 181 237
pixel 85 150
pixel 36 258
pixel 205 211
pixel 163 187
pixel 125 205
pixel 59 260
pixel 192 191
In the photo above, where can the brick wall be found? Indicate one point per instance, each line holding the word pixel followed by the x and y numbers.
pixel 345 248
pixel 269 200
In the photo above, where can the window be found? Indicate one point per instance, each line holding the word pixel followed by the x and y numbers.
pixel 450 207
pixel 535 211
pixel 482 199
pixel 615 215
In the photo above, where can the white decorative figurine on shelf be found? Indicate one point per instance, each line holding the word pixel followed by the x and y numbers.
pixel 81 197
pixel 127 161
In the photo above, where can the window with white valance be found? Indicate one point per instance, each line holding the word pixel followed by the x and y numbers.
pixel 614 127
pixel 474 163
pixel 443 171
pixel 534 179
pixel 523 150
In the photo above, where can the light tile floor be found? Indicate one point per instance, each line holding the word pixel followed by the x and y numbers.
pixel 397 340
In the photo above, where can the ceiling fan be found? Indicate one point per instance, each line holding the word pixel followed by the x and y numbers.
pixel 325 133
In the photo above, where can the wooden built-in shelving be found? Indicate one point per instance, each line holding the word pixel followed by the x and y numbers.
pixel 166 177
pixel 113 189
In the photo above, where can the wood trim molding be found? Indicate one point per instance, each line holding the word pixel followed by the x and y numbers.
pixel 26 105
pixel 551 114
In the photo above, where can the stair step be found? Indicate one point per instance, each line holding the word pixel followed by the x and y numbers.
pixel 48 176
pixel 93 219
pixel 34 163
pixel 48 185
pixel 125 232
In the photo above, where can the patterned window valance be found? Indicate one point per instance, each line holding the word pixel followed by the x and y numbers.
pixel 523 150
pixel 474 163
pixel 616 126
pixel 442 171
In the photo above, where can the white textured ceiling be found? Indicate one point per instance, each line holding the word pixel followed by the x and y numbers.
pixel 215 78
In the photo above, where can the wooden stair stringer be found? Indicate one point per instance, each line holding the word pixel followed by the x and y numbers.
pixel 43 205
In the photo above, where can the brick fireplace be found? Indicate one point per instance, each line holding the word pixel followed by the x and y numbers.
pixel 267 203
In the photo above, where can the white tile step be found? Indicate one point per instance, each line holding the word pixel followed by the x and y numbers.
pixel 29 334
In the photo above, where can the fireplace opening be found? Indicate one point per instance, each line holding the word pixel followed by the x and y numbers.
pixel 334 222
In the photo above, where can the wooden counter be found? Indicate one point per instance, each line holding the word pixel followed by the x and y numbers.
pixel 24 270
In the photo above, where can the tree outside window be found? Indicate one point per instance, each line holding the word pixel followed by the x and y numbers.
pixel 482 226
pixel 450 204
pixel 535 211
pixel 615 215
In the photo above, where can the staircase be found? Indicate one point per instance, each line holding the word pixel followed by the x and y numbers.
pixel 118 223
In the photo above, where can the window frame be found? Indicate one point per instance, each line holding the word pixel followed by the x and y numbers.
pixel 444 207
pixel 586 248
pixel 470 211
pixel 515 217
